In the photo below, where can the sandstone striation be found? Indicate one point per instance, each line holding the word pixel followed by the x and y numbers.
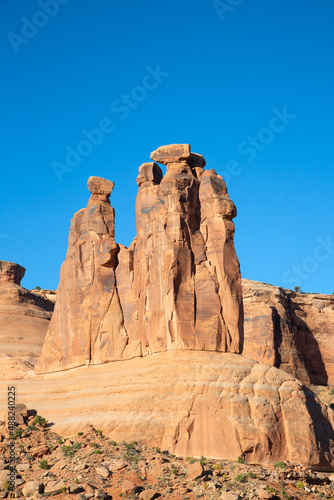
pixel 191 403
pixel 289 330
pixel 178 286
pixel 24 320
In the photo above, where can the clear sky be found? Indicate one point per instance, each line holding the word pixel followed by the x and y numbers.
pixel 248 83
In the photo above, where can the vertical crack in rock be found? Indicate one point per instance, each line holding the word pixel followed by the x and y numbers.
pixel 177 286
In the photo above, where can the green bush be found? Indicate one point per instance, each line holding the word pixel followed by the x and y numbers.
pixel 44 464
pixel 241 478
pixel 19 432
pixel 280 465
pixel 31 428
pixel 80 433
pixel 202 461
pixel 6 486
pixel 240 460
pixel 38 420
pixel 300 485
pixel 69 451
pixel 252 475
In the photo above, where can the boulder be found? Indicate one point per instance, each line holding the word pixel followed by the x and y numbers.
pixel 128 488
pixel 195 471
pixel 54 488
pixel 32 487
pixel 171 153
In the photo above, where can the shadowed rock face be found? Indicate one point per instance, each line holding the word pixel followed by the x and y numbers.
pixel 178 286
pixel 293 331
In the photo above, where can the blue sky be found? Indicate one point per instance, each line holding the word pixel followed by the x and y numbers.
pixel 249 84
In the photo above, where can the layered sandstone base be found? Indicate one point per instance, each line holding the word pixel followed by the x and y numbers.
pixel 192 403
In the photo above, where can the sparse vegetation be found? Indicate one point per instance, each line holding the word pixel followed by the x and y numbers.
pixel 43 464
pixel 240 460
pixel 69 451
pixel 41 421
pixel 280 465
pixel 6 486
pixel 241 478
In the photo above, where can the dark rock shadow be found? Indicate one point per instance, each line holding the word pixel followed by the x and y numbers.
pixel 323 430
pixel 295 344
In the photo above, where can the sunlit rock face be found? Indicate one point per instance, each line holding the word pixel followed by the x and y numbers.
pixel 178 285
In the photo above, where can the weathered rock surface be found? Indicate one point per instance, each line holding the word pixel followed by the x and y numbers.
pixel 24 320
pixel 191 403
pixel 172 153
pixel 178 286
pixel 87 325
pixel 11 272
pixel 289 330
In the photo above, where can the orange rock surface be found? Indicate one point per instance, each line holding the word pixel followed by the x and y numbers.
pixel 178 286
pixel 24 320
pixel 191 403
pixel 293 331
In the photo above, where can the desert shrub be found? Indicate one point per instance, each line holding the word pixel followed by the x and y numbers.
pixel 241 478
pixel 31 428
pixel 80 433
pixel 69 451
pixel 280 465
pixel 6 486
pixel 38 420
pixel 300 485
pixel 240 460
pixel 44 464
pixel 252 475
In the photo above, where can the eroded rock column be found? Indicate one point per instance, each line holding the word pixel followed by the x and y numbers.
pixel 87 324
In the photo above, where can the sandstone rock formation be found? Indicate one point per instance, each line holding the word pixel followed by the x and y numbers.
pixel 289 330
pixel 178 286
pixel 191 403
pixel 24 320
pixel 87 325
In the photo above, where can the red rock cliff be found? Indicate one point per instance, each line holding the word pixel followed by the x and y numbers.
pixel 178 286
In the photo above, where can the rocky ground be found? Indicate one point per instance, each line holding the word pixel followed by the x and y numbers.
pixel 93 466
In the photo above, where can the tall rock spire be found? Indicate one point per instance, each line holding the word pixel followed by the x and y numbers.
pixel 178 285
